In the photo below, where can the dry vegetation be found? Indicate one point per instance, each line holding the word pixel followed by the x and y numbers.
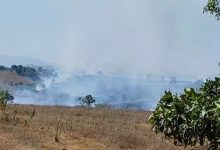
pixel 9 79
pixel 8 76
pixel 77 128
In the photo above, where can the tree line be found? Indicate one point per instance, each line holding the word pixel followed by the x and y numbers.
pixel 32 72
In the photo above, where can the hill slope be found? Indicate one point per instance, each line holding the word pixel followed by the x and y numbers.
pixel 10 79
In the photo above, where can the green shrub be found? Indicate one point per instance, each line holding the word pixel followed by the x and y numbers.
pixel 192 117
pixel 213 8
pixel 5 98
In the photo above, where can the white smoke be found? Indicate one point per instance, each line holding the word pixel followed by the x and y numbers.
pixel 122 92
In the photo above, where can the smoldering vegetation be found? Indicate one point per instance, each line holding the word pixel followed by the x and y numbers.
pixel 61 88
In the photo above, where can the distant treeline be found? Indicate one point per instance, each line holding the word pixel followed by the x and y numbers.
pixel 32 72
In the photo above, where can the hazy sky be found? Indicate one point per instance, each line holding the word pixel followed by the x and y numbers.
pixel 124 37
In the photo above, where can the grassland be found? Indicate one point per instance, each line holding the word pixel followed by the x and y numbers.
pixel 30 127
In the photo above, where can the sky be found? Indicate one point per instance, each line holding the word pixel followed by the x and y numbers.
pixel 126 37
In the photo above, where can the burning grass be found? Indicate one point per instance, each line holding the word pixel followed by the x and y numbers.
pixel 50 127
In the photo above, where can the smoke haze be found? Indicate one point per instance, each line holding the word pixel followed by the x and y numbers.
pixel 123 38
pixel 118 37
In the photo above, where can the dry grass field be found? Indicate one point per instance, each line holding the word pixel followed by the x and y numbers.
pixel 30 127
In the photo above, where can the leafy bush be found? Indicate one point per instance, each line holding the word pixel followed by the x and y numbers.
pixel 5 98
pixel 213 8
pixel 192 117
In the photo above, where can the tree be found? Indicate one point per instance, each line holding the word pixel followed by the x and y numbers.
pixel 88 100
pixel 5 98
pixel 25 71
pixel 213 8
pixel 190 118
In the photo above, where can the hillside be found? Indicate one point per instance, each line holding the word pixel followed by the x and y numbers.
pixel 77 128
pixel 10 79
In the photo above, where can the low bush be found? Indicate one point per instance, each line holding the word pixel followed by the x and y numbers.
pixel 5 98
